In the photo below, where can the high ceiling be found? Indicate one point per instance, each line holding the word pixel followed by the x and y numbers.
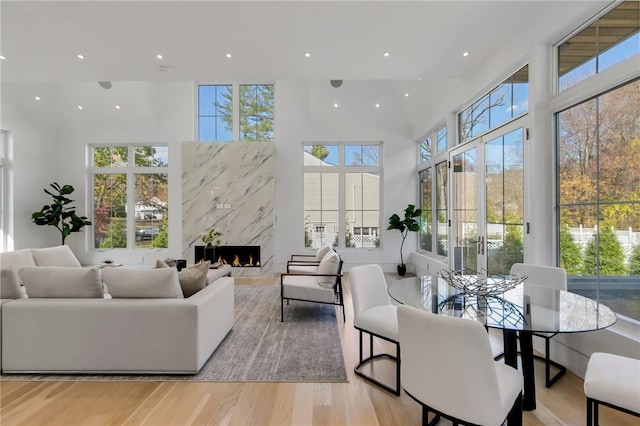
pixel 268 40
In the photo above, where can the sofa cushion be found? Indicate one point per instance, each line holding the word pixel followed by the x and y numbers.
pixel 55 256
pixel 330 264
pixel 61 282
pixel 124 283
pixel 193 278
pixel 17 258
pixel 9 283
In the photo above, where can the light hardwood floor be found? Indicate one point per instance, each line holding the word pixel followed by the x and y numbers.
pixel 214 403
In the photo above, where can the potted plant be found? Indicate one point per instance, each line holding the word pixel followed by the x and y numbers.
pixel 210 238
pixel 60 214
pixel 409 223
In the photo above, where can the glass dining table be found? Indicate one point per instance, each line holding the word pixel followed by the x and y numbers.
pixel 523 310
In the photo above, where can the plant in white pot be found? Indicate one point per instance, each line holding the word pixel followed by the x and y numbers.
pixel 409 223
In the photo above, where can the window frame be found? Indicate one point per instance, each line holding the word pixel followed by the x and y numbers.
pixel 342 170
pixel 131 171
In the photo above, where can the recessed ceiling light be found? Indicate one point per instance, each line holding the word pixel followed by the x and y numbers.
pixel 228 55
pixel 159 56
pixel 80 56
pixel 419 78
pixel 377 105
pixel 465 54
pixel 335 105
pixel 37 98
pixel 385 54
pixel 2 57
pixel 117 106
pixel 79 106
pixel 307 54
pixel 406 95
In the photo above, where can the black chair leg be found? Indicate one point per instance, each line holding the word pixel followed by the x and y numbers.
pixel 549 380
pixel 514 418
pixel 281 309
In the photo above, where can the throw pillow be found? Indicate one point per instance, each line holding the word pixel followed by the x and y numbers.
pixel 124 283
pixel 322 251
pixel 193 278
pixel 61 282
pixel 161 264
pixel 171 263
pixel 330 264
pixel 55 256
pixel 9 284
pixel 17 258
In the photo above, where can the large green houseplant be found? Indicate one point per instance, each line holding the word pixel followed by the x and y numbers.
pixel 409 223
pixel 60 213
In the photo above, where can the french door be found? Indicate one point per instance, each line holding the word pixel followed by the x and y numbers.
pixel 487 193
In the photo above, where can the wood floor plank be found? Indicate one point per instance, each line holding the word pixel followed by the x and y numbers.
pixel 356 402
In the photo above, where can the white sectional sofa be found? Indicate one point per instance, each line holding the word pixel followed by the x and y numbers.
pixel 166 334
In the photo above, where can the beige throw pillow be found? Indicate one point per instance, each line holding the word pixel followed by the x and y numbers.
pixel 55 256
pixel 61 282
pixel 193 278
pixel 330 264
pixel 322 251
pixel 9 284
pixel 124 283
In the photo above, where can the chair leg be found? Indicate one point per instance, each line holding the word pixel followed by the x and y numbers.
pixel 281 309
pixel 425 417
pixel 589 412
pixel 549 381
pixel 371 358
pixel 514 418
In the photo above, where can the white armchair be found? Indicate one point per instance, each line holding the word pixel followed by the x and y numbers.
pixel 373 313
pixel 323 286
pixel 308 263
pixel 448 368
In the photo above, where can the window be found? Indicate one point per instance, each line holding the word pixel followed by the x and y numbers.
pixel 342 195
pixel 442 222
pixel 215 112
pixel 429 221
pixel 256 112
pixel 426 205
pixel 598 149
pixel 507 101
pixel 129 179
pixel 609 40
pixel 219 121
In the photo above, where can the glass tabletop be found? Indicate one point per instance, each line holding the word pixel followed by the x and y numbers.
pixel 526 307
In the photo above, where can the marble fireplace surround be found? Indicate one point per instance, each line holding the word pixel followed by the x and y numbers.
pixel 230 186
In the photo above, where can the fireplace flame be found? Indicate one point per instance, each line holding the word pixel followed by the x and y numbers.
pixel 222 261
pixel 236 261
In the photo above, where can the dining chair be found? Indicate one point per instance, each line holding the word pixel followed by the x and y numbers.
pixel 374 314
pixel 613 381
pixel 448 368
pixel 322 286
pixel 551 277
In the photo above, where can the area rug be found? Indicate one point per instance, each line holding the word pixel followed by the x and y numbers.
pixel 304 348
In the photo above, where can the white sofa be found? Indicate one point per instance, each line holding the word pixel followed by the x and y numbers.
pixel 111 335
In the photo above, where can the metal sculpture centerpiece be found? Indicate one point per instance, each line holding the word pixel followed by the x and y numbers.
pixel 474 285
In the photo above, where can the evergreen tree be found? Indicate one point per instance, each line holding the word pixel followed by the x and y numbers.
pixel 570 253
pixel 116 235
pixel 611 255
pixel 162 239
pixel 634 261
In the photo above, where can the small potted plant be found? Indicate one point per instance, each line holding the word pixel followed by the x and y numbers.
pixel 409 223
pixel 210 238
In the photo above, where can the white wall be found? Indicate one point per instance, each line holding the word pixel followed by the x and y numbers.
pixel 305 113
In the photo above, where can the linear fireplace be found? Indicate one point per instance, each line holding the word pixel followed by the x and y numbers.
pixel 236 256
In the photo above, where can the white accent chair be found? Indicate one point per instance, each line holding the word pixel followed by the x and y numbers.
pixel 373 313
pixel 308 263
pixel 323 286
pixel 448 368
pixel 550 277
pixel 612 381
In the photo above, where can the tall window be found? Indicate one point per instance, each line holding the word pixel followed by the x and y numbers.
pixel 598 145
pixel 342 195
pixel 609 40
pixel 219 120
pixel 130 196
pixel 215 113
pixel 256 112
pixel 507 101
pixel 433 198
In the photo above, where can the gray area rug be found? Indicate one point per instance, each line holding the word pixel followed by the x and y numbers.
pixel 304 348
